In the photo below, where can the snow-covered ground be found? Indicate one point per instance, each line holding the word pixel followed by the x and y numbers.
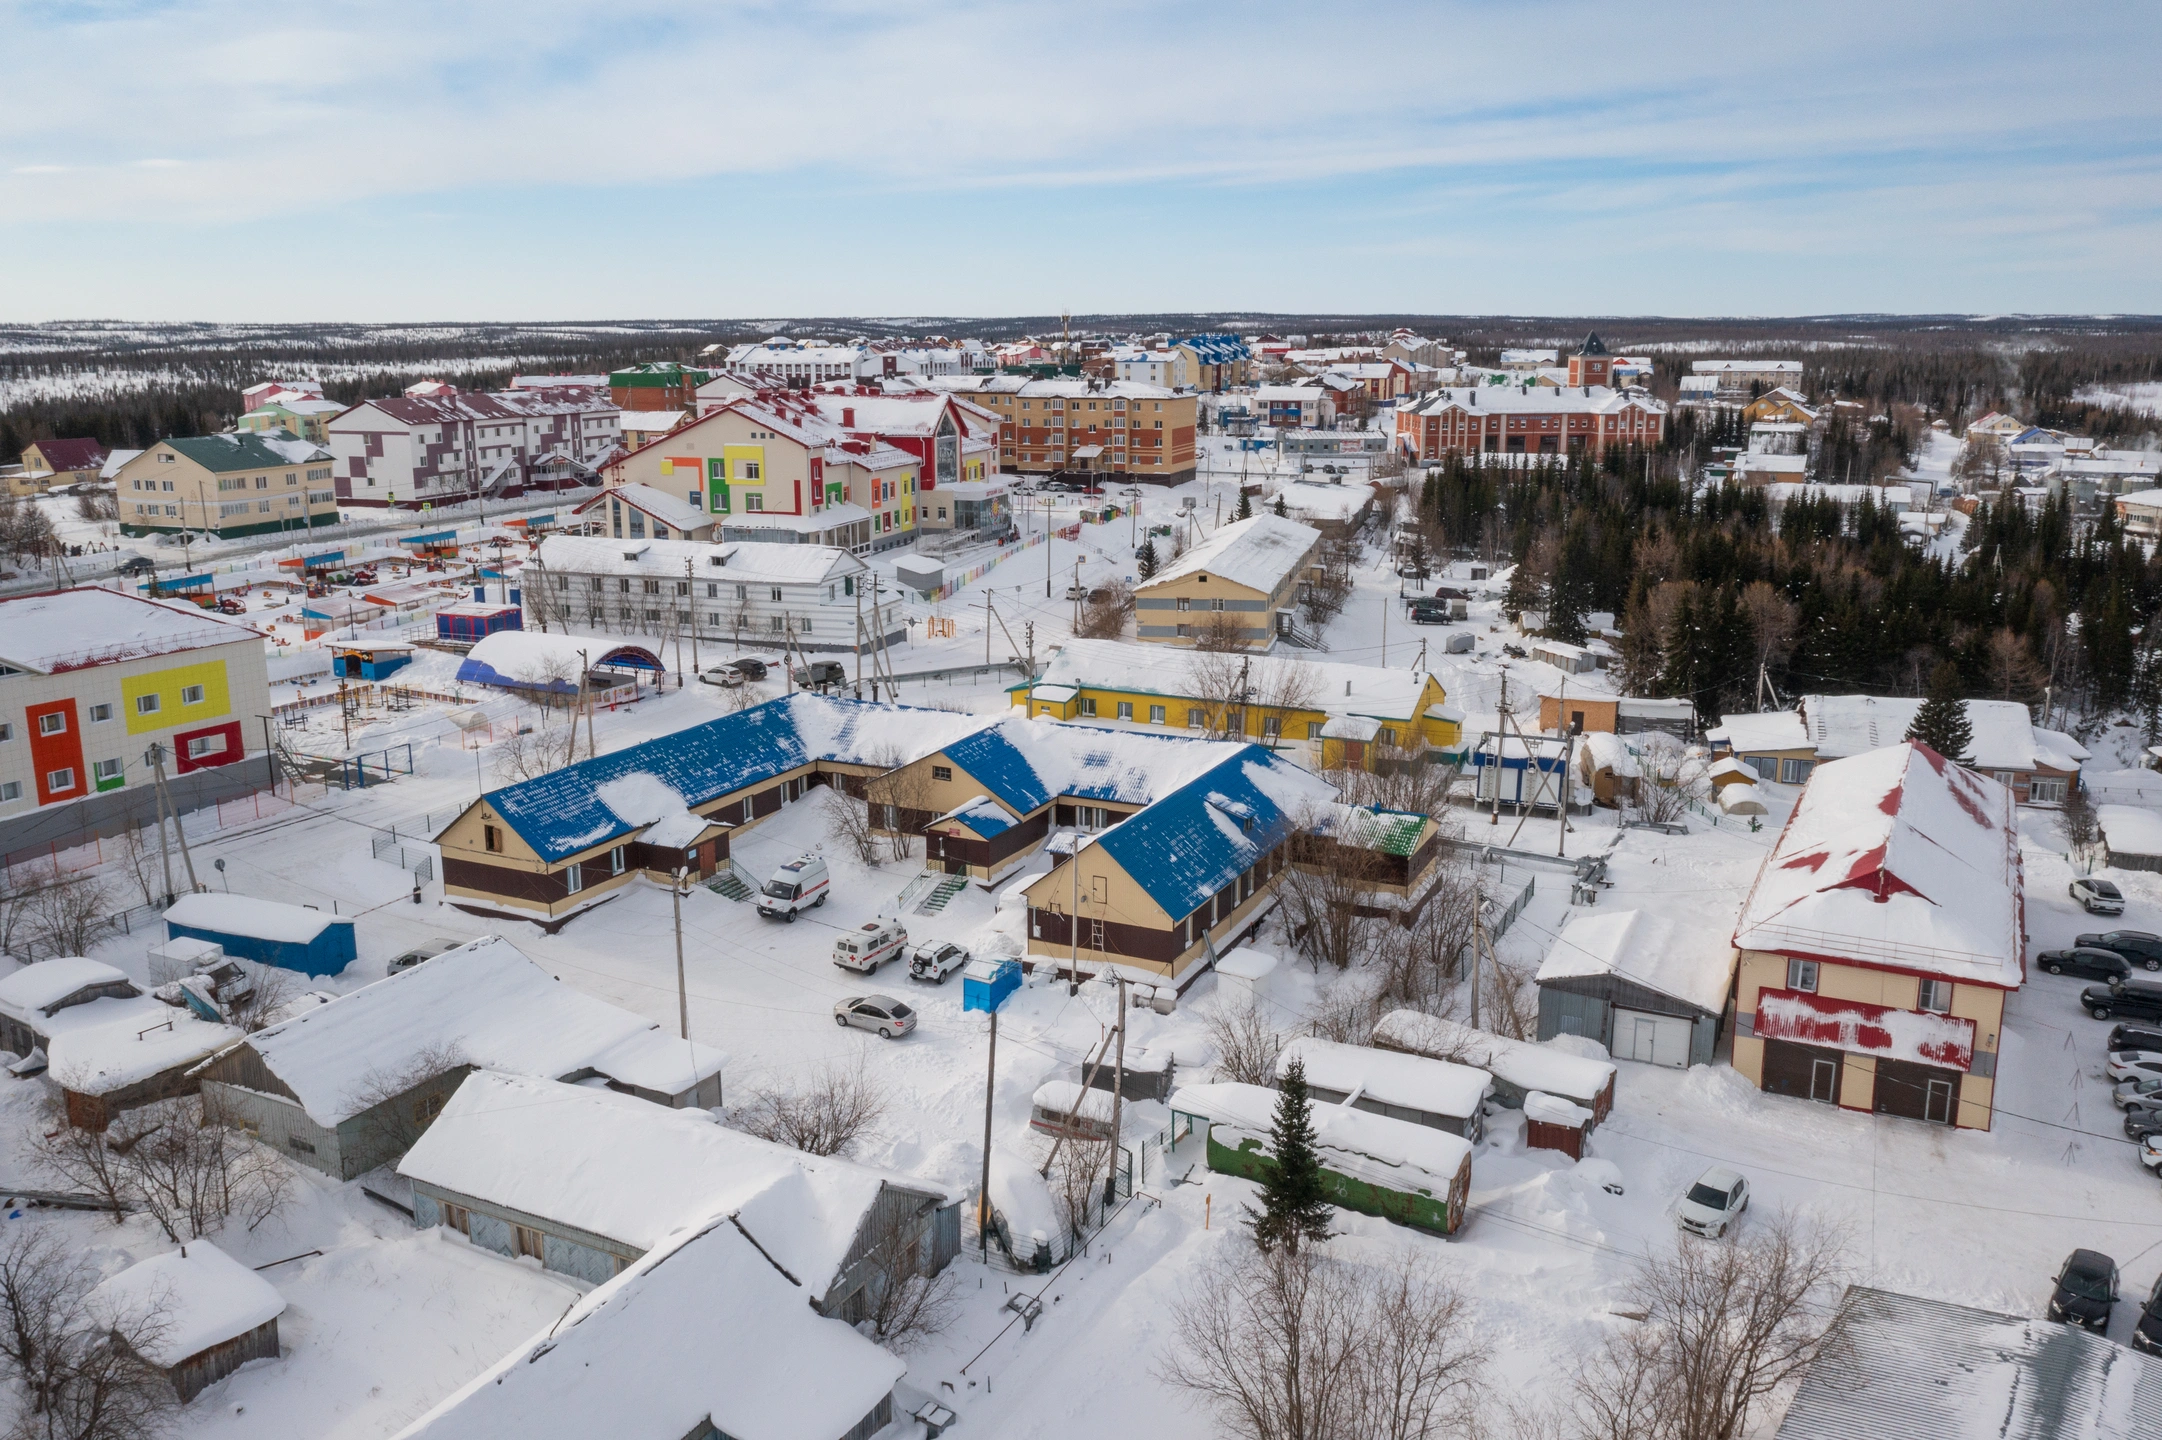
pixel 385 1321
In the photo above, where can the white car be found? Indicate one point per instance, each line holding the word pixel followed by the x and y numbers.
pixel 2098 897
pixel 2135 1065
pixel 1713 1203
pixel 2150 1155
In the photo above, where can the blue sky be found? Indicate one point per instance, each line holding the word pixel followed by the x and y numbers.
pixel 202 159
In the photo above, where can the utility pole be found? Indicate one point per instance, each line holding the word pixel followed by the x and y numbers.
pixel 683 994
pixel 165 854
pixel 859 637
pixel 585 703
pixel 983 1196
pixel 987 626
pixel 1478 945
pixel 157 767
pixel 691 602
pixel 1118 1094
pixel 1501 716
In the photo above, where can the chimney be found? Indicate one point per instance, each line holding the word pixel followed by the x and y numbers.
pixel 848 417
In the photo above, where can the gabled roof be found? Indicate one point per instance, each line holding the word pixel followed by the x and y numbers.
pixel 1026 763
pixel 1896 858
pixel 1193 842
pixel 247 450
pixel 71 454
pixel 1337 688
pixel 1536 399
pixel 1640 947
pixel 74 629
pixel 1258 554
pixel 195 1297
pixel 2005 737
pixel 671 510
pixel 562 813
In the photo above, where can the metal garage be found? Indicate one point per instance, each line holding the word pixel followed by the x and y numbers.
pixel 1652 1039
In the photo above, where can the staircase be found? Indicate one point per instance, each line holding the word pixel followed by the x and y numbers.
pixel 733 884
pixel 940 895
pixel 1293 635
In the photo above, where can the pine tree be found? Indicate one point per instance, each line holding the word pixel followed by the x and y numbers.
pixel 1942 722
pixel 1283 511
pixel 1293 1205
pixel 1246 506
pixel 1145 562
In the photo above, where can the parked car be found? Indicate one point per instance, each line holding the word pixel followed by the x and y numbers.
pixel 136 565
pixel 1429 615
pixel 2099 897
pixel 1713 1203
pixel 882 1013
pixel 821 673
pixel 2142 1092
pixel 735 672
pixel 2136 1001
pixel 2134 1065
pixel 935 961
pixel 2088 963
pixel 435 946
pixel 2133 1037
pixel 2147 1332
pixel 2086 1290
pixel 2150 1155
pixel 2138 946
pixel 870 945
pixel 1451 592
pixel 802 884
pixel 2140 1124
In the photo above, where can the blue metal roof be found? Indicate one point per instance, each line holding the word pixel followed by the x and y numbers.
pixel 1202 836
pixel 561 813
pixel 1098 765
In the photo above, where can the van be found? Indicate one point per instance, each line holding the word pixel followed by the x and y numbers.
pixel 870 945
pixel 819 674
pixel 801 884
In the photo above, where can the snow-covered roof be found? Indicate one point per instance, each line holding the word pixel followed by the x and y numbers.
pixel 1247 963
pixel 547 660
pixel 1744 799
pixel 1747 367
pixel 1258 554
pixel 1521 1063
pixel 192 1298
pixel 2004 736
pixel 29 990
pixel 252 917
pixel 1552 1110
pixel 1897 858
pixel 485 1004
pixel 1333 503
pixel 634 1172
pixel 1532 399
pixel 671 510
pixel 117 1043
pixel 113 462
pixel 1754 734
pixel 1641 947
pixel 1393 1077
pixel 1906 1366
pixel 2130 830
pixel 74 629
pixel 1332 687
pixel 640 798
pixel 1604 751
pixel 1397 1154
pixel 754 562
pixel 704 1330
pixel 562 813
pixel 1189 844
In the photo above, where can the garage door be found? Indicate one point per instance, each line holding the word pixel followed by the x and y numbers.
pixel 1653 1039
pixel 1807 1072
pixel 1919 1092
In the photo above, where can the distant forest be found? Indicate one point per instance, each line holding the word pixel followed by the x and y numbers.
pixel 130 385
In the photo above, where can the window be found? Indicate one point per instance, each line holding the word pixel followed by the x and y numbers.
pixel 2045 792
pixel 61 779
pixel 1217 603
pixel 1126 710
pixel 1088 707
pixel 7 733
pixel 1156 714
pixel 144 705
pixel 1194 718
pixel 427 1108
pixel 1802 975
pixel 1185 632
pixel 778 623
pixel 1182 603
pixel 574 879
pixel 1313 729
pixel 201 745
pixel 191 695
pixel 528 1242
pixel 941 772
pixel 303 1146
pixel 1794 772
pixel 11 790
pixel 456 1217
pixel 55 722
pixel 615 861
pixel 1273 726
pixel 105 770
pixel 491 839
pixel 1937 996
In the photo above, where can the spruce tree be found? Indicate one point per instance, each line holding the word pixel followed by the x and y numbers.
pixel 1246 506
pixel 1283 511
pixel 1293 1204
pixel 1942 722
pixel 1146 562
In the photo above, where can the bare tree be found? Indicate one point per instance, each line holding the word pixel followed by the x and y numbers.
pixel 1424 963
pixel 67 915
pixel 899 797
pixel 840 1108
pixel 1105 613
pixel 1217 677
pixel 905 1306
pixel 1246 1044
pixel 1272 1344
pixel 529 754
pixel 1221 631
pixel 269 988
pixel 190 1171
pixel 848 824
pixel 137 853
pixel 80 1367
pixel 1774 622
pixel 1347 1011
pixel 1076 1180
pixel 1420 1373
pixel 40 1278
pixel 1727 1326
pixel 88 1162
pixel 1331 878
pixel 91 505
pixel 393 1116
pixel 1279 686
pixel 2013 673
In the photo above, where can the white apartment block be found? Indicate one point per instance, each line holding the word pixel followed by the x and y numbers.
pixel 437 445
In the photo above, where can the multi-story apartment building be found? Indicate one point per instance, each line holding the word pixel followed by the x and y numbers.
pixel 1738 377
pixel 663 385
pixel 294 406
pixel 246 483
pixel 1119 429
pixel 1235 588
pixel 810 597
pixel 1215 362
pixel 90 679
pixel 1168 368
pixel 437 446
pixel 1527 420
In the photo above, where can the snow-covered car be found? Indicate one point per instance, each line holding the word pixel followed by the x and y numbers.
pixel 882 1014
pixel 2099 897
pixel 2135 1065
pixel 935 961
pixel 1713 1203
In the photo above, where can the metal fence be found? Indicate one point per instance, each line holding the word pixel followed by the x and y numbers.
pixel 419 862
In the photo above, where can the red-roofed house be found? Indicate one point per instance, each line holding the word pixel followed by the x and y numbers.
pixel 46 463
pixel 1880 939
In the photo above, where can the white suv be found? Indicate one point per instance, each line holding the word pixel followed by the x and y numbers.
pixel 1713 1203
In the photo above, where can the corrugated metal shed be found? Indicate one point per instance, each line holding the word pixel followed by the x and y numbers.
pixel 1916 1369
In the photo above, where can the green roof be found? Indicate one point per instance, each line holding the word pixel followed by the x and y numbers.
pixel 246 450
pixel 656 375
pixel 1392 832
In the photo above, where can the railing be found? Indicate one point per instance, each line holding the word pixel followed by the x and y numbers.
pixel 912 892
pixel 419 862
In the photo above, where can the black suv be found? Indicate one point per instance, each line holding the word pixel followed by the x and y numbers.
pixel 2135 1002
pixel 2086 1289
pixel 2088 963
pixel 2133 1037
pixel 2147 1334
pixel 2137 946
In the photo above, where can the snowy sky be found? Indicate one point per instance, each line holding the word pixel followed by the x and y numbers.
pixel 209 159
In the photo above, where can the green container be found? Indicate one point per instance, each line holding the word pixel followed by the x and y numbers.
pixel 1418 1209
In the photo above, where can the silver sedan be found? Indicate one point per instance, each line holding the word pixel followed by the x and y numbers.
pixel 882 1013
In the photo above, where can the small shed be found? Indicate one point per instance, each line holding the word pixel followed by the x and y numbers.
pixel 373 660
pixel 1066 1107
pixel 291 937
pixel 1437 1094
pixel 1727 770
pixel 985 983
pixel 1518 1066
pixel 1605 766
pixel 1740 800
pixel 1239 975
pixel 1626 980
pixel 1552 1123
pixel 2131 836
pixel 472 621
pixel 1571 659
pixel 919 573
pixel 132 1059
pixel 207 1314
